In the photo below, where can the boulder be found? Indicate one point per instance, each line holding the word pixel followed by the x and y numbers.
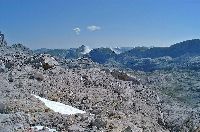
pixel 38 76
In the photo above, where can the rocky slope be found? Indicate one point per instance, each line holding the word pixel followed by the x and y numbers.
pixel 178 92
pixel 113 100
pixel 110 104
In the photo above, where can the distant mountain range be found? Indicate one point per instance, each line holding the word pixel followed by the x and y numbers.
pixel 185 54
pixel 74 53
pixel 190 47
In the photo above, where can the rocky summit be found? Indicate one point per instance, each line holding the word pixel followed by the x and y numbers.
pixel 41 92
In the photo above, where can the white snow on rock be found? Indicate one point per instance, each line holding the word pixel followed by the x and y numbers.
pixel 116 51
pixel 87 50
pixel 41 128
pixel 60 107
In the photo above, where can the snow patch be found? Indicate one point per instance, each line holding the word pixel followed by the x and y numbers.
pixel 41 128
pixel 87 50
pixel 60 107
pixel 115 50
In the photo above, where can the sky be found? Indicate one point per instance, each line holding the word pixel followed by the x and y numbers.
pixel 99 23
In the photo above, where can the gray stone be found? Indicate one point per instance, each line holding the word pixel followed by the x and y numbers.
pixel 128 129
pixel 99 123
pixel 2 108
pixel 39 76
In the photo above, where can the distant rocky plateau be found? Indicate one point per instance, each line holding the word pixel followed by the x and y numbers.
pixel 80 90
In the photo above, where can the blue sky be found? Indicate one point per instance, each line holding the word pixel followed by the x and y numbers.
pixel 107 23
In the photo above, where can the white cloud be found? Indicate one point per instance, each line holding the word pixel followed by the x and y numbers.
pixel 93 28
pixel 77 30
